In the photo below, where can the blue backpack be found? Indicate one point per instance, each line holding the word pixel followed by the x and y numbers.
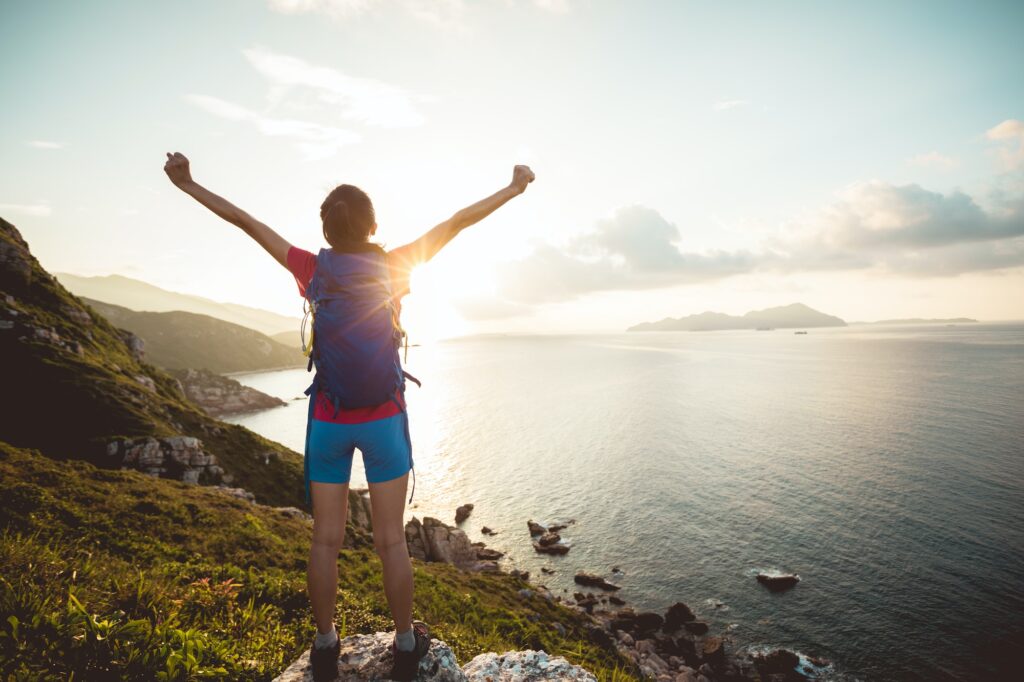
pixel 355 334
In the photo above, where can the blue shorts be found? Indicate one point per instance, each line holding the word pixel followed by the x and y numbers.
pixel 385 444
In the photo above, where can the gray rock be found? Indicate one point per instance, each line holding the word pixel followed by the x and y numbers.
pixel 520 666
pixel 367 658
pixel 462 512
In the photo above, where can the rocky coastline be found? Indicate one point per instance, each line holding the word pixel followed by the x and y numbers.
pixel 220 395
pixel 671 646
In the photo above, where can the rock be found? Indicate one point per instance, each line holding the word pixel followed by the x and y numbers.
pixel 780 661
pixel 557 548
pixel 535 528
pixel 240 493
pixel 525 593
pixel 676 615
pixel 648 620
pixel 448 544
pixel 587 578
pixel 778 583
pixel 646 646
pixel 625 638
pixel 178 457
pixel 294 512
pixel 713 650
pixel 462 512
pixel 559 628
pixel 488 553
pixel 697 627
pixel 136 346
pixel 686 675
pixel 519 666
pixel 360 513
pixel 219 395
pixel 487 531
pixel 368 657
pixel 549 538
pixel 613 599
pixel 522 575
pixel 548 571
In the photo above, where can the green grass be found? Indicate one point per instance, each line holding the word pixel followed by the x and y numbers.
pixel 118 575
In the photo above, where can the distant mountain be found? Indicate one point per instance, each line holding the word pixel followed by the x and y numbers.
pixel 922 320
pixel 180 340
pixel 794 315
pixel 137 295
pixel 292 339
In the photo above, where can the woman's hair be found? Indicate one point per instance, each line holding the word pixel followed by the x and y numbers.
pixel 348 217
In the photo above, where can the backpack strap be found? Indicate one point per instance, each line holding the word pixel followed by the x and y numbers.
pixel 311 391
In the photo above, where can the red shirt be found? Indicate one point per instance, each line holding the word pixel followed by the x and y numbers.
pixel 302 264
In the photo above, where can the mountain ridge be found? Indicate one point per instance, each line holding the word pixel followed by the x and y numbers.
pixel 782 317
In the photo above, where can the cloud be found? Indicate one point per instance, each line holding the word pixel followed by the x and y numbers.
pixel 555 6
pixel 315 141
pixel 44 144
pixel 727 104
pixel 447 14
pixel 363 100
pixel 1009 131
pixel 904 230
pixel 340 9
pixel 933 160
pixel 39 210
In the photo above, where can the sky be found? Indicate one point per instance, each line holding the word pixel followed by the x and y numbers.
pixel 863 158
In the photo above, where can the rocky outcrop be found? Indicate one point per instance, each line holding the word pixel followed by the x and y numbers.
pixel 514 666
pixel 462 512
pixel 593 580
pixel 778 582
pixel 178 457
pixel 434 540
pixel 368 658
pixel 219 395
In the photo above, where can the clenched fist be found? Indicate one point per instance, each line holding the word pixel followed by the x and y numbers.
pixel 521 176
pixel 177 169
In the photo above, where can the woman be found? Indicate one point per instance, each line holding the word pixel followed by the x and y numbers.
pixel 380 432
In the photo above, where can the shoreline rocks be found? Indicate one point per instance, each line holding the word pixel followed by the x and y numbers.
pixel 219 395
pixel 594 580
pixel 462 512
pixel 778 583
pixel 178 457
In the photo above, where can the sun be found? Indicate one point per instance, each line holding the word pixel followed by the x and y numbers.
pixel 428 312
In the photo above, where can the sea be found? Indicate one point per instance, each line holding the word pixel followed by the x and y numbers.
pixel 884 465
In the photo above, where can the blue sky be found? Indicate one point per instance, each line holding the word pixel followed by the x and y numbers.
pixel 864 158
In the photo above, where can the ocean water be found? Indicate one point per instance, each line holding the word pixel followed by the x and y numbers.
pixel 884 465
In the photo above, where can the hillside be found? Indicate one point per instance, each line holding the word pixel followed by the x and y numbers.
pixel 115 575
pixel 183 340
pixel 77 387
pixel 137 295
pixel 793 315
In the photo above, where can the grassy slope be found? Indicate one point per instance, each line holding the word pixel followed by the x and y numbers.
pixel 71 404
pixel 182 340
pixel 117 575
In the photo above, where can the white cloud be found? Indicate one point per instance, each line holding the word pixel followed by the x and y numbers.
pixel 933 160
pixel 39 210
pixel 315 141
pixel 44 144
pixel 727 104
pixel 1009 131
pixel 340 9
pixel 556 6
pixel 364 100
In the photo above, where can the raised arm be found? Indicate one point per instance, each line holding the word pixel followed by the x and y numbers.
pixel 427 246
pixel 177 170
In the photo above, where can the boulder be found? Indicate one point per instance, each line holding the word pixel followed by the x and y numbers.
pixel 587 578
pixel 676 615
pixel 368 657
pixel 487 531
pixel 712 650
pixel 549 538
pixel 517 666
pixel 535 528
pixel 778 582
pixel 778 662
pixel 447 544
pixel 647 621
pixel 697 627
pixel 462 512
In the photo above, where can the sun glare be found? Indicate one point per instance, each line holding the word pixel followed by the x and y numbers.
pixel 428 312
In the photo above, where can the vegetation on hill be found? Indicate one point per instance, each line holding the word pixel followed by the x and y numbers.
pixel 182 340
pixel 72 384
pixel 111 575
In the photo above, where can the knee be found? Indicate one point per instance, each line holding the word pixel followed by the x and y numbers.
pixel 331 538
pixel 387 542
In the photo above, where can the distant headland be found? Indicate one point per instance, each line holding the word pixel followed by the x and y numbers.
pixel 782 317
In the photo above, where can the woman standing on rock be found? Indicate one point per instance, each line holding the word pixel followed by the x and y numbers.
pixel 349 413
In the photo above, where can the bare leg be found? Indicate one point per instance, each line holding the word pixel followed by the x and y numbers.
pixel 330 511
pixel 387 503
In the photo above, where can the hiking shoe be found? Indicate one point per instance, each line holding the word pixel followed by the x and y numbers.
pixel 407 663
pixel 324 661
